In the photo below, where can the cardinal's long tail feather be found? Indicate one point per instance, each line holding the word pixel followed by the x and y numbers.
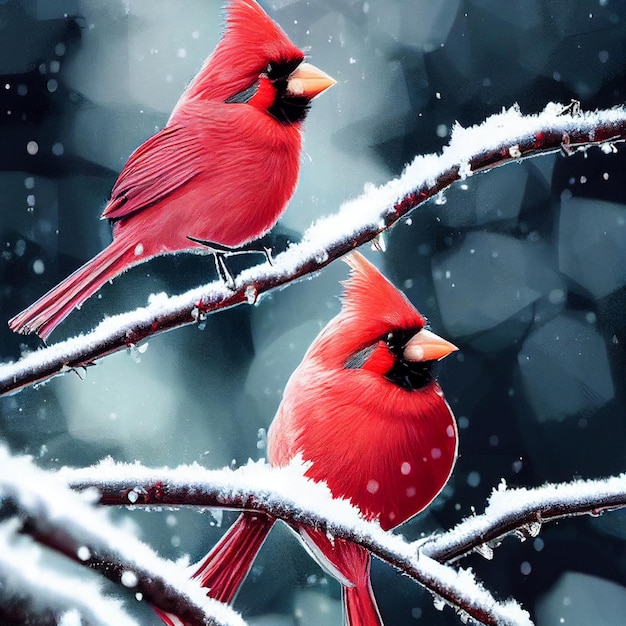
pixel 51 309
pixel 222 571
pixel 360 607
pixel 349 563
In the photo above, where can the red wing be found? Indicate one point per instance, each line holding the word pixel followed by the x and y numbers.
pixel 158 167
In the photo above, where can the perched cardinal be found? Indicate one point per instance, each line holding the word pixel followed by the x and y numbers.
pixel 364 410
pixel 220 172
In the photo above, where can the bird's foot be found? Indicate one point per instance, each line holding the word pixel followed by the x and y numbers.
pixel 220 252
pixel 268 254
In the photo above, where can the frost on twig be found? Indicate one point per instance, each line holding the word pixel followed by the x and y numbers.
pixel 503 138
pixel 38 505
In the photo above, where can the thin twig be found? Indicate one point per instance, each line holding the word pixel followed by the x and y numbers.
pixel 523 512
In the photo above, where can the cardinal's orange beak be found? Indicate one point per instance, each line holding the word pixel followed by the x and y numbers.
pixel 426 346
pixel 308 81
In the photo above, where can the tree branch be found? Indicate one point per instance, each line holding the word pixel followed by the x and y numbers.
pixel 522 512
pixel 519 511
pixel 295 500
pixel 35 592
pixel 501 139
pixel 42 507
pixel 509 511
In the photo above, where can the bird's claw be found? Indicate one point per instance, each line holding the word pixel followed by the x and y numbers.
pixel 220 253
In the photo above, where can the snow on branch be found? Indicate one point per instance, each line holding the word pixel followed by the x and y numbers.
pixel 68 524
pixel 509 511
pixel 523 511
pixel 34 592
pixel 503 138
pixel 41 506
pixel 295 500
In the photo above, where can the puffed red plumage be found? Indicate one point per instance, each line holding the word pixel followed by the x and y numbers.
pixel 365 412
pixel 222 170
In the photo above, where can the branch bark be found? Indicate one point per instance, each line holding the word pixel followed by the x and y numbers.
pixel 501 139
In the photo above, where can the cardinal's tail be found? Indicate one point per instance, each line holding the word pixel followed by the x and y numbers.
pixel 51 309
pixel 359 605
pixel 349 563
pixel 222 571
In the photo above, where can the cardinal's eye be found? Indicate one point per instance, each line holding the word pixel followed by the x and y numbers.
pixel 409 375
pixel 397 339
pixel 280 70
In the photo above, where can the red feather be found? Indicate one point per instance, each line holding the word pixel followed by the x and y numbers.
pixel 250 42
pixel 222 170
pixel 379 435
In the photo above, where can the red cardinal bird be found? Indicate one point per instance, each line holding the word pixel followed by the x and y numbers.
pixel 221 171
pixel 364 409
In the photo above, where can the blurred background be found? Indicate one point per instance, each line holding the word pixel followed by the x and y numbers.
pixel 524 268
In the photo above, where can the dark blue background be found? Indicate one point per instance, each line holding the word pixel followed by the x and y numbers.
pixel 523 267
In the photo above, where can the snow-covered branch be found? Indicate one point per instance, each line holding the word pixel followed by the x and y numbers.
pixel 295 500
pixel 35 592
pixel 510 511
pixel 42 507
pixel 520 511
pixel 501 139
pixel 523 511
pixel 69 524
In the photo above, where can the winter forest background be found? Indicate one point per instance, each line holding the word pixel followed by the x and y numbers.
pixel 524 268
